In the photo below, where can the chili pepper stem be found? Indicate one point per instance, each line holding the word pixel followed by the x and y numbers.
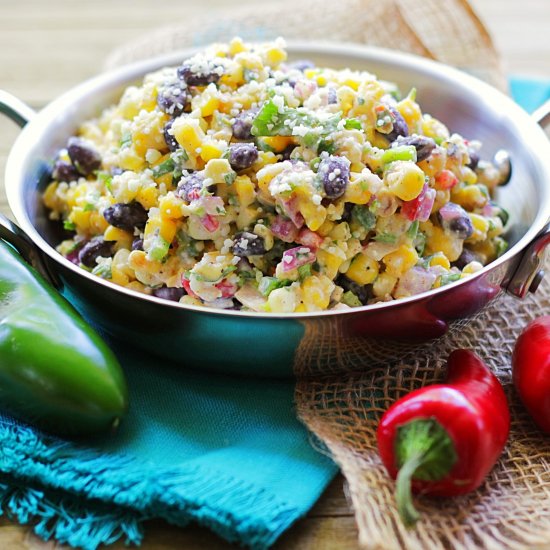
pixel 424 451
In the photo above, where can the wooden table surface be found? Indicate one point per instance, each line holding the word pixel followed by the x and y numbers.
pixel 49 46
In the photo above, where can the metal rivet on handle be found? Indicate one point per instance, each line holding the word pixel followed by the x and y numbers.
pixel 537 279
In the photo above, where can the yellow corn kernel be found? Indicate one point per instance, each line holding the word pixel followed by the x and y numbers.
pixel 123 239
pixel 439 241
pixel 399 262
pixel 470 197
pixel 188 133
pixel 431 127
pixel 50 196
pixel 148 196
pixel 218 170
pixel 363 269
pixel 212 149
pixel 326 228
pixel 98 223
pixel 472 267
pixel 148 132
pixel 411 112
pixel 165 227
pixel 330 261
pixel 265 233
pixel 129 159
pixel 341 232
pixel 81 219
pixel 405 179
pixel 278 143
pixel 275 56
pixel 300 308
pixel 439 259
pixel 384 285
pixel 316 291
pixel 236 46
pixel 247 216
pixel 314 214
pixel 245 190
pixel 282 300
pixel 207 106
pixel 481 227
pixel 170 207
pixel 357 191
pixel 166 179
pixel 264 158
pixel 265 175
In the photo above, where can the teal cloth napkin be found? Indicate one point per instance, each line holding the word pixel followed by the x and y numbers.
pixel 223 451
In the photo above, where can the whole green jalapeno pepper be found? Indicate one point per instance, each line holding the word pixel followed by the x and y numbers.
pixel 55 370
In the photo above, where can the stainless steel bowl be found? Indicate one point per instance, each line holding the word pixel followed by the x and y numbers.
pixel 271 344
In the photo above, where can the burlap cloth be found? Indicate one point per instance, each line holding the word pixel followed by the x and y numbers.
pixel 342 409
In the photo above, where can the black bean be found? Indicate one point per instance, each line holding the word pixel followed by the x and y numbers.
pixel 83 155
pixel 474 159
pixel 173 99
pixel 199 77
pixel 334 174
pixel 169 293
pixel 301 65
pixel 126 215
pixel 137 244
pixel 363 293
pixel 248 244
pixel 423 145
pixel 243 124
pixel 170 140
pixel 93 249
pixel 287 151
pixel 189 183
pixel 242 156
pixel 465 258
pixel 332 97
pixel 64 171
pixel 400 127
pixel 462 226
pixel 348 209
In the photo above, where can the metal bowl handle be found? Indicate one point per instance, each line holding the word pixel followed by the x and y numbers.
pixel 21 114
pixel 529 272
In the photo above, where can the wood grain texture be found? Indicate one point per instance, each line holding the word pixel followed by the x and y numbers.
pixel 48 47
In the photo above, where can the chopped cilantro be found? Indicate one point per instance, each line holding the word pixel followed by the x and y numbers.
pixel 363 216
pixel 420 243
pixel 230 177
pixel 89 207
pixel 501 246
pixel 413 230
pixel 350 299
pixel 164 168
pixel 449 278
pixel 326 146
pixel 386 238
pixel 304 271
pixel 107 180
pixel 125 140
pixel 68 225
pixel 353 124
pixel 269 284
pixel 103 270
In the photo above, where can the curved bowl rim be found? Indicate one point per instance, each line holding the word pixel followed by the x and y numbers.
pixel 134 71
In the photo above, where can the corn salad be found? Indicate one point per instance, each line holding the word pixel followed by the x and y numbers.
pixel 240 180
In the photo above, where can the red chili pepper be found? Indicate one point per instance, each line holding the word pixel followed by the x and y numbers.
pixel 531 370
pixel 443 439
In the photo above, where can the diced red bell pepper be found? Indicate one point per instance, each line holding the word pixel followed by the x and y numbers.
pixel 421 207
pixel 445 180
pixel 210 223
pixel 309 238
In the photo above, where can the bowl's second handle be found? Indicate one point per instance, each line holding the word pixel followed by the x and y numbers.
pixel 21 114
pixel 529 273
